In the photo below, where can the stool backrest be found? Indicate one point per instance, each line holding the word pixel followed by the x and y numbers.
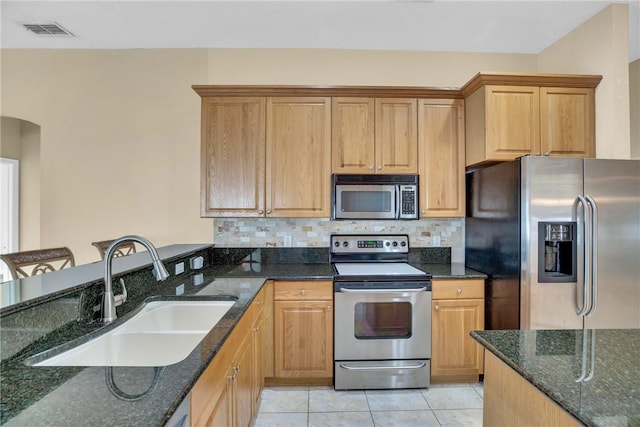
pixel 29 263
pixel 123 249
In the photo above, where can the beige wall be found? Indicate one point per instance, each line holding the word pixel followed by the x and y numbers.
pixel 120 130
pixel 356 67
pixel 119 142
pixel 634 107
pixel 600 46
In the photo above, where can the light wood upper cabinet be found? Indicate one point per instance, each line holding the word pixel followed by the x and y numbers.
pixel 441 153
pixel 567 120
pixel 511 115
pixel 502 123
pixel 353 135
pixel 374 135
pixel 396 135
pixel 232 157
pixel 298 168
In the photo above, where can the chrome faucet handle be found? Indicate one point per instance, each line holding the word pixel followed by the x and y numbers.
pixel 121 298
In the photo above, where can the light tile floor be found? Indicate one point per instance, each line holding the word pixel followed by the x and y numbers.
pixel 439 405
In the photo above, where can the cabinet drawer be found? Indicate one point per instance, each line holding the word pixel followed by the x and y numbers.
pixel 305 290
pixel 452 289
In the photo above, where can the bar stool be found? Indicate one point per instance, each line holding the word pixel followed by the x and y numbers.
pixel 29 263
pixel 123 249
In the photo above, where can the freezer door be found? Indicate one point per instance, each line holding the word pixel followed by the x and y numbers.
pixel 548 188
pixel 614 185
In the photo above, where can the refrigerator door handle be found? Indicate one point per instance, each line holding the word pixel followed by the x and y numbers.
pixel 580 200
pixel 593 261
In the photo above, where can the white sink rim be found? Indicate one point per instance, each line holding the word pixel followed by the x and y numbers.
pixel 134 343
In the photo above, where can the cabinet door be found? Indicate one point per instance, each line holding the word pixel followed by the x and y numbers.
pixel 243 395
pixel 567 121
pixel 512 121
pixel 303 339
pixel 396 135
pixel 298 157
pixel 257 362
pixel 232 157
pixel 454 353
pixel 441 155
pixel 353 136
pixel 222 413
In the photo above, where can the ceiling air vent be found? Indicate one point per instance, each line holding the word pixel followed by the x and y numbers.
pixel 49 29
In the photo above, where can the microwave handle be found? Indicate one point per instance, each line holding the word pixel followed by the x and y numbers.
pixel 398 204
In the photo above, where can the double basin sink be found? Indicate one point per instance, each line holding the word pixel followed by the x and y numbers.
pixel 161 333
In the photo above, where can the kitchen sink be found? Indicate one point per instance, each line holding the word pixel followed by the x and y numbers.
pixel 161 333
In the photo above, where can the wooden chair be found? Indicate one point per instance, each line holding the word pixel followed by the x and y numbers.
pixel 39 261
pixel 123 249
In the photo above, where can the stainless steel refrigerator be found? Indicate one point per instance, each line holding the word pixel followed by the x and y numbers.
pixel 559 239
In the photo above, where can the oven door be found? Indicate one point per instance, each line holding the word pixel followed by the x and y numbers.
pixel 382 323
pixel 365 201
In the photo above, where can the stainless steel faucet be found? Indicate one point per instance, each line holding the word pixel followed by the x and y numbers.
pixel 110 302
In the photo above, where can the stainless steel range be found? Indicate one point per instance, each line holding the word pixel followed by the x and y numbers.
pixel 382 327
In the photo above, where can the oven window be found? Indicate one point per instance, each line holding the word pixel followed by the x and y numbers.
pixel 366 201
pixel 382 320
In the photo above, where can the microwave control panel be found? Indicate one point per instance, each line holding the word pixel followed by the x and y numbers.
pixel 408 205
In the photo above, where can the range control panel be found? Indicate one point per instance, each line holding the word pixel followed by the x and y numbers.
pixel 360 243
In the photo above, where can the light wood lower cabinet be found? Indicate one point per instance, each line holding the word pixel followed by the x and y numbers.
pixel 457 309
pixel 303 332
pixel 226 394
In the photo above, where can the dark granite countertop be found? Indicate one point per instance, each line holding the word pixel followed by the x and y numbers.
pixel 553 361
pixel 80 396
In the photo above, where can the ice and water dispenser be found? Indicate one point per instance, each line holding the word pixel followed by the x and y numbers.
pixel 557 252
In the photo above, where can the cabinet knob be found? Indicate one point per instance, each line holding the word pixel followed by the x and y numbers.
pixel 256 329
pixel 328 308
pixel 303 292
pixel 268 212
pixel 236 368
pixel 371 167
pixel 437 307
pixel 379 168
pixel 260 211
pixel 459 291
pixel 548 153
pixel 232 377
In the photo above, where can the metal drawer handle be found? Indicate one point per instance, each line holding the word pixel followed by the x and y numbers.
pixel 368 291
pixel 378 368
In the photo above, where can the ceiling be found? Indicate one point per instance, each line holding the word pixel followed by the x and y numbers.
pixel 419 25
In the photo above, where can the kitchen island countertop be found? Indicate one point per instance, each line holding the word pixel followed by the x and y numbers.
pixel 554 360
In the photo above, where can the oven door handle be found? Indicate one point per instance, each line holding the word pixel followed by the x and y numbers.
pixel 418 365
pixel 381 291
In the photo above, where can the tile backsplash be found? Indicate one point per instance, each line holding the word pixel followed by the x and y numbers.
pixel 315 232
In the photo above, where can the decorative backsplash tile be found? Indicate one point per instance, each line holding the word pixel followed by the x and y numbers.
pixel 315 232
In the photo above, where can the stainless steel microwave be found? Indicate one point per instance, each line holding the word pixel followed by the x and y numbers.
pixel 375 196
